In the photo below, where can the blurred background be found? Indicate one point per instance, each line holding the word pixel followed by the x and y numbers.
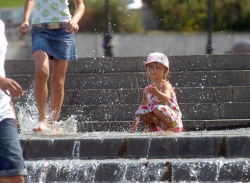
pixel 123 28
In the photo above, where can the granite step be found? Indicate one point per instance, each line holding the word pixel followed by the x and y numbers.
pixel 142 170
pixel 139 80
pixel 196 116
pixel 191 111
pixel 134 96
pixel 132 64
pixel 212 92
pixel 111 145
pixel 216 156
pixel 188 125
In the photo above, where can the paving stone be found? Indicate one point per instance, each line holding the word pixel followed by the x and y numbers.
pixel 113 64
pixel 234 110
pixel 137 147
pixel 101 148
pixel 241 94
pixel 238 147
pixel 143 146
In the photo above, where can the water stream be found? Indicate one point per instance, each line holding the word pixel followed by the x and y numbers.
pixel 124 170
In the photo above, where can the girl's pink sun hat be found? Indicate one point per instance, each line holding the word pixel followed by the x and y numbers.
pixel 158 57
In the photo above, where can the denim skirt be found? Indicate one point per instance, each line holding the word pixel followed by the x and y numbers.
pixel 58 43
pixel 11 159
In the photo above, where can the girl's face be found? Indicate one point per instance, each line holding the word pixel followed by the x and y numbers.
pixel 156 70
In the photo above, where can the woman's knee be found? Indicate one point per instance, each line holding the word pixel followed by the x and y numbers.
pixel 42 74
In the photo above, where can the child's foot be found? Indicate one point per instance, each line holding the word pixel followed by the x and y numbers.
pixel 40 127
pixel 157 129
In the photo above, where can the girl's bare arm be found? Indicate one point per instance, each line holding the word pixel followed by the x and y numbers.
pixel 164 95
pixel 28 6
pixel 79 11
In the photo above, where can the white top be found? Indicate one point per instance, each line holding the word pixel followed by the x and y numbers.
pixel 50 11
pixel 5 107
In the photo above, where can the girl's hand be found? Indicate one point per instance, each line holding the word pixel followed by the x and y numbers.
pixel 72 27
pixel 10 87
pixel 151 89
pixel 23 29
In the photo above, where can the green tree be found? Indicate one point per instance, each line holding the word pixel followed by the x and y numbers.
pixel 191 15
pixel 232 15
pixel 122 20
pixel 180 15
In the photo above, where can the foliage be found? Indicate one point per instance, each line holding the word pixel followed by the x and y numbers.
pixel 232 15
pixel 191 15
pixel 180 15
pixel 121 19
pixel 173 15
pixel 11 3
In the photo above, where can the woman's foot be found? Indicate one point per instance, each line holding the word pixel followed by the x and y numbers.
pixel 40 127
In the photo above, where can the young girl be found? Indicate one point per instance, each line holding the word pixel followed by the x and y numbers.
pixel 159 109
pixel 53 29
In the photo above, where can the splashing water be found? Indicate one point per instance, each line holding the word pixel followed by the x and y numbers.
pixel 28 119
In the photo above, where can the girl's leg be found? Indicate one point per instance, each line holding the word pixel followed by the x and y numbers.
pixel 57 88
pixel 146 119
pixel 12 179
pixel 162 118
pixel 41 89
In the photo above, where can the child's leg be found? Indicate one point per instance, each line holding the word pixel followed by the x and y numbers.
pixel 42 75
pixel 41 90
pixel 147 120
pixel 57 88
pixel 162 118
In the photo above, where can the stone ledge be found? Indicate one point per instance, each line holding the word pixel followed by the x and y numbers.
pixel 113 64
pixel 189 125
pixel 134 95
pixel 195 170
pixel 78 81
pixel 164 145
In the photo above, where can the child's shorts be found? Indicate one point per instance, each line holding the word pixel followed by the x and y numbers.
pixel 11 159
pixel 57 43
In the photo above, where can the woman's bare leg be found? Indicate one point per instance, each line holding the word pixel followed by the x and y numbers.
pixel 57 88
pixel 12 179
pixel 41 89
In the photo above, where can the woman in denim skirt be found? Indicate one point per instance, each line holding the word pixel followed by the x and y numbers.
pixel 53 30
pixel 12 168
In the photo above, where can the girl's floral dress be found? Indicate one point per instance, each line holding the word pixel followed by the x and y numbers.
pixel 170 109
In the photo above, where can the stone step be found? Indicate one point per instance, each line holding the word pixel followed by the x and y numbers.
pixel 139 79
pixel 189 125
pixel 135 64
pixel 160 145
pixel 143 170
pixel 124 112
pixel 134 96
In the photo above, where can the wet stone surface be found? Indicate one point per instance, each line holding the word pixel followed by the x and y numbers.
pixel 148 145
